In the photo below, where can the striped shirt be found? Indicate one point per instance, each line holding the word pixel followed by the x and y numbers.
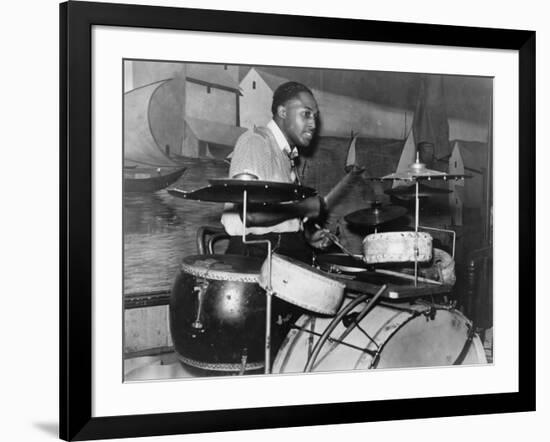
pixel 264 152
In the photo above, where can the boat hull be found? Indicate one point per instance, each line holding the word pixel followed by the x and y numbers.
pixel 149 180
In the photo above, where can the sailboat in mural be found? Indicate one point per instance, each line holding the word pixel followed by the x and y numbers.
pixel 428 136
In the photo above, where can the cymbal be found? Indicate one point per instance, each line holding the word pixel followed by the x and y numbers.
pixel 375 216
pixel 408 192
pixel 257 191
pixel 419 171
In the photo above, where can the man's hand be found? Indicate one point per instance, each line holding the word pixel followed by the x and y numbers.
pixel 319 239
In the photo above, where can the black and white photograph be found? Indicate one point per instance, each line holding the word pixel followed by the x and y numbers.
pixel 287 220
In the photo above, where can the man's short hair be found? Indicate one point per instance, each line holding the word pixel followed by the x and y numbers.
pixel 285 92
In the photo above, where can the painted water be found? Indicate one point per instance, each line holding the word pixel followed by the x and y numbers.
pixel 159 229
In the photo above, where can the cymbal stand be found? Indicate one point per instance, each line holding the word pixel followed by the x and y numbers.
pixel 268 290
pixel 416 223
pixel 452 232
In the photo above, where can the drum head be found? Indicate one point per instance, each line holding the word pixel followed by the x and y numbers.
pixel 388 247
pixel 302 285
pixel 223 267
pixel 425 342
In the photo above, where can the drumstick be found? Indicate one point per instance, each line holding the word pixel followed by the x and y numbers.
pixel 342 186
pixel 337 242
pixel 406 276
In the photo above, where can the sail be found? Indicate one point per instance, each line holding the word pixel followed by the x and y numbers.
pixel 153 119
pixel 351 159
pixel 407 158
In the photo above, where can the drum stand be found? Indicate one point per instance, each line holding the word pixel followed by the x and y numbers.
pixel 268 289
pixel 416 224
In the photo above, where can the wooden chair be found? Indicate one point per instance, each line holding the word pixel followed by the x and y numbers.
pixel 207 237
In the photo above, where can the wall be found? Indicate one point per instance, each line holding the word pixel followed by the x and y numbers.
pixel 340 115
pixel 218 105
pixel 145 72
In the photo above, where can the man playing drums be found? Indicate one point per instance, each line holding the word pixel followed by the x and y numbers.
pixel 268 153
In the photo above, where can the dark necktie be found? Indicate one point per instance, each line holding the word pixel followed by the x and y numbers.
pixel 292 155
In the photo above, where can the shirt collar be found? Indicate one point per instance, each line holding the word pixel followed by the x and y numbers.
pixel 281 140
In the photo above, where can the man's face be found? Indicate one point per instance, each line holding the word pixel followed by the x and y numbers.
pixel 299 119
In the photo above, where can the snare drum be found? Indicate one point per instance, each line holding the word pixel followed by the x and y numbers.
pixel 302 285
pixel 388 247
pixel 389 336
pixel 217 313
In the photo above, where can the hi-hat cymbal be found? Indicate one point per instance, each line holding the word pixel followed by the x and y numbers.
pixel 375 216
pixel 257 191
pixel 419 171
pixel 408 192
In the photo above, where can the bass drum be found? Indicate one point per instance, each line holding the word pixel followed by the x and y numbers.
pixel 217 313
pixel 389 336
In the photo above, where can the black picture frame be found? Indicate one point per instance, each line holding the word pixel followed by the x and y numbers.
pixel 76 22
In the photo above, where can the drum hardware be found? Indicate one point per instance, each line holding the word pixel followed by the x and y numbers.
pixel 436 229
pixel 310 340
pixel 331 340
pixel 342 314
pixel 244 357
pixel 200 290
pixel 268 288
pixel 471 333
pixel 326 334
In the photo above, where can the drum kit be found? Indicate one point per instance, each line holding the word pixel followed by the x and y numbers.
pixel 221 305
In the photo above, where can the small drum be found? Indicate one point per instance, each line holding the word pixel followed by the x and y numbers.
pixel 389 336
pixel 217 313
pixel 302 285
pixel 397 247
pixel 441 269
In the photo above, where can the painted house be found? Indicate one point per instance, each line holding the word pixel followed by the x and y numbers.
pixel 468 158
pixel 200 102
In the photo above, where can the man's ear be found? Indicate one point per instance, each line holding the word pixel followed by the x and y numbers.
pixel 281 111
